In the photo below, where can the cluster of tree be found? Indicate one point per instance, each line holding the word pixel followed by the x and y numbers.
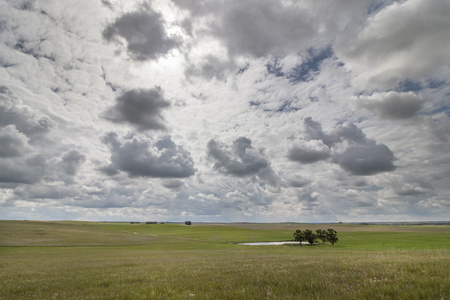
pixel 187 222
pixel 329 235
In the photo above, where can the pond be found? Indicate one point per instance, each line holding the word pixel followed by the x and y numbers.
pixel 269 243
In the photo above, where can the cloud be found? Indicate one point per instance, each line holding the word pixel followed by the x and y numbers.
pixel 142 157
pixel 23 117
pixel 27 171
pixel 438 129
pixel 71 161
pixel 261 28
pixel 361 156
pixel 173 184
pixel 141 108
pixel 12 142
pixel 308 68
pixel 144 32
pixel 349 132
pixel 307 85
pixel 210 67
pixel 46 191
pixel 242 160
pixel 366 159
pixel 304 153
pixel 411 185
pixel 297 182
pixel 392 105
pixel 405 40
pixel 309 200
pixel 313 131
pixel 258 27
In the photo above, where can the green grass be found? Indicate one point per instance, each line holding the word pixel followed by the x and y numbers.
pixel 82 260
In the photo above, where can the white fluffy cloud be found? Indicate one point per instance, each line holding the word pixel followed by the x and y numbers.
pixel 408 39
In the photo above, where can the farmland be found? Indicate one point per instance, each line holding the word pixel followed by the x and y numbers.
pixel 90 260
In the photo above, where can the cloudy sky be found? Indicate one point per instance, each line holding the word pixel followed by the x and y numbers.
pixel 239 110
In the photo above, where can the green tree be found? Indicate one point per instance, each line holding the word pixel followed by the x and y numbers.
pixel 321 235
pixel 299 236
pixel 332 236
pixel 310 236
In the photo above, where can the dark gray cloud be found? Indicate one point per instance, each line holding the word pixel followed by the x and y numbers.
pixel 173 184
pixel 309 200
pixel 259 27
pixel 393 105
pixel 313 131
pixel 349 132
pixel 71 161
pixel 411 185
pixel 367 159
pixel 12 142
pixel 14 112
pixel 263 27
pixel 241 160
pixel 307 156
pixel 297 182
pixel 20 127
pixel 26 171
pixel 142 157
pixel 144 32
pixel 362 157
pixel 44 191
pixel 140 108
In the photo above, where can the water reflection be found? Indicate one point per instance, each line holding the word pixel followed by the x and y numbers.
pixel 267 243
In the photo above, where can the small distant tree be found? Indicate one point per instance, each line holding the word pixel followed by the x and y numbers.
pixel 187 222
pixel 332 236
pixel 310 236
pixel 299 236
pixel 321 235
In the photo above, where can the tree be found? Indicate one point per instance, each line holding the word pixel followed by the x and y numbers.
pixel 187 222
pixel 299 236
pixel 310 236
pixel 332 236
pixel 321 235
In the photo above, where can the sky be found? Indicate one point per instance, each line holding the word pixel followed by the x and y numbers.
pixel 225 110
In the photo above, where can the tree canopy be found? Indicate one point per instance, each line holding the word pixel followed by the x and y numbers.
pixel 329 235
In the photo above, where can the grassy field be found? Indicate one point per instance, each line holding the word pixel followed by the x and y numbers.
pixel 86 260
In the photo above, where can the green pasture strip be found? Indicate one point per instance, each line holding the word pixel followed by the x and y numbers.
pixel 393 240
pixel 372 237
pixel 341 227
pixel 37 233
pixel 376 237
pixel 203 232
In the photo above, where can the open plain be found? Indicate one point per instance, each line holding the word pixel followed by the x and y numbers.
pixel 89 260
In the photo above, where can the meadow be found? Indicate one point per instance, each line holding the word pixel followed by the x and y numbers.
pixel 89 260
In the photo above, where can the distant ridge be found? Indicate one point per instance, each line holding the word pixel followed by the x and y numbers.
pixel 402 223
